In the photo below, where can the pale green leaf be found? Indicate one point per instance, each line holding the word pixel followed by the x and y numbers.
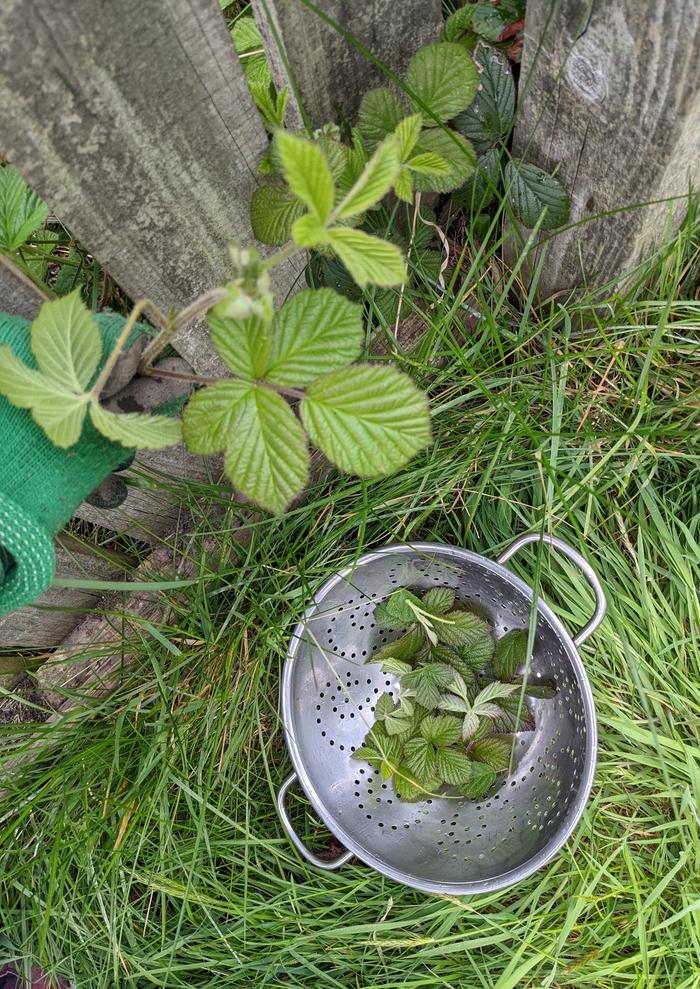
pixel 308 231
pixel 493 692
pixel 428 163
pixel 490 116
pixel 420 757
pixel 66 342
pixel 273 210
pixel 374 181
pixel 307 173
pixel 426 682
pixel 211 414
pixel 244 344
pixel 470 725
pixel 494 751
pixel 461 628
pixel 438 600
pixel 368 420
pixel 336 154
pixel 266 457
pixel 410 789
pixel 21 210
pixel 245 34
pixel 455 150
pixel 532 192
pixel 61 418
pixel 510 653
pixel 395 667
pixel 368 259
pixel 357 158
pixel 136 429
pixel 22 385
pixel 406 134
pixel 482 779
pixel 315 332
pixel 443 79
pixel 441 729
pixel 403 187
pixel 380 113
pixel 454 767
pixel 398 607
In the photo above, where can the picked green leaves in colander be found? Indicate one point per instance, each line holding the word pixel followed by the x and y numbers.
pixel 452 727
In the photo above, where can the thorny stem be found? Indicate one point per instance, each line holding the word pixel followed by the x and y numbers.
pixel 198 379
pixel 174 323
pixel 119 347
pixel 279 256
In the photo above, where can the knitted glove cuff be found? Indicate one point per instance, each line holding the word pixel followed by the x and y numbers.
pixel 33 556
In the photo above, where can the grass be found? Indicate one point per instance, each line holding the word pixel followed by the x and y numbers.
pixel 139 845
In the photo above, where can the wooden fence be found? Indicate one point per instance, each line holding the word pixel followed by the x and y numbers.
pixel 132 120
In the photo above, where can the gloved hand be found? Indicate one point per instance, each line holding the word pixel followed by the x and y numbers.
pixel 41 485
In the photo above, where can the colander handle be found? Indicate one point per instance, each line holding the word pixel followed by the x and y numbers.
pixel 294 837
pixel 583 565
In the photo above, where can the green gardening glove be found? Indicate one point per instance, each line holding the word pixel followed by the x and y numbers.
pixel 41 485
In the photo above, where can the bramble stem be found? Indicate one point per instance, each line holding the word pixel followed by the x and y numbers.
pixel 197 379
pixel 178 322
pixel 111 361
pixel 287 252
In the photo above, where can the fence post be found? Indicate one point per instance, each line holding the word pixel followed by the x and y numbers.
pixel 612 97
pixel 328 73
pixel 134 122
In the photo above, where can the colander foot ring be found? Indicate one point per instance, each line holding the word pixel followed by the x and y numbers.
pixel 327 864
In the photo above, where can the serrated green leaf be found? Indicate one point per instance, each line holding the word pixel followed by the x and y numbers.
pixel 335 153
pixel 403 187
pixel 461 628
pixel 454 767
pixel 454 149
pixel 410 789
pixel 307 173
pixel 244 344
pixel 426 683
pixel 373 183
pixel 394 667
pixel 357 158
pixel 384 706
pixel 493 692
pixel 308 231
pixel 398 723
pixel 406 134
pixel 532 191
pixel 21 210
pixel 438 600
pixel 273 211
pixel 386 619
pixel 494 751
pixel 66 342
pixel 459 23
pixel 210 416
pixel 380 113
pixel 317 331
pixel 482 779
pixel 403 648
pixel 61 418
pixel 488 21
pixel 368 259
pixel 428 163
pixel 136 429
pixel 443 78
pixel 480 189
pixel 441 730
pixel 510 653
pixel 490 117
pixel 368 420
pixel 470 725
pixel 516 716
pixel 245 34
pixel 420 758
pixel 266 457
pixel 24 386
pixel 398 606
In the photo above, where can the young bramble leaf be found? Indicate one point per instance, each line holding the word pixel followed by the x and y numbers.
pixel 409 789
pixel 317 331
pixel 438 600
pixel 308 231
pixel 336 154
pixel 426 683
pixel 532 191
pixel 482 779
pixel 307 173
pixel 368 259
pixel 406 134
pixel 470 725
pixel 66 342
pixel 455 150
pixel 374 181
pixel 211 414
pixel 21 210
pixel 461 628
pixel 136 429
pixel 368 420
pixel 443 79
pixel 487 21
pixel 459 23
pixel 394 667
pixel 493 692
pixel 403 187
pixel 356 160
pixel 454 767
pixel 244 344
pixel 428 163
pixel 61 418
pixel 398 606
pixel 273 210
pixel 441 730
pixel 494 751
pixel 490 116
pixel 266 456
pixel 420 758
pixel 403 648
pixel 24 386
pixel 510 653
pixel 380 113
pixel 384 706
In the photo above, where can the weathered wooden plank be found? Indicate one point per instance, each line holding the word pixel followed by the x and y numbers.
pixel 19 296
pixel 613 99
pixel 328 73
pixel 134 122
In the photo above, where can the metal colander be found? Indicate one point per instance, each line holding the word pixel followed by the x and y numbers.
pixel 330 686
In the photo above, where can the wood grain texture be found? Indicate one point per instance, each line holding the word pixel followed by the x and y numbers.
pixel 19 296
pixel 133 121
pixel 330 75
pixel 613 101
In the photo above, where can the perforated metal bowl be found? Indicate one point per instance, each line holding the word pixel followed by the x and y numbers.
pixel 330 686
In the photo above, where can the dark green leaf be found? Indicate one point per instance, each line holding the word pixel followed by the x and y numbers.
pixel 510 653
pixel 21 210
pixel 409 789
pixel 456 151
pixel 480 190
pixel 494 751
pixel 516 716
pixel 438 600
pixel 459 23
pixel 443 654
pixel 488 21
pixel 443 78
pixel 403 648
pixel 380 113
pixel 490 116
pixel 482 779
pixel 454 767
pixel 532 191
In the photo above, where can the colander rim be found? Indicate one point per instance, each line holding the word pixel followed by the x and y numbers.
pixel 566 827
